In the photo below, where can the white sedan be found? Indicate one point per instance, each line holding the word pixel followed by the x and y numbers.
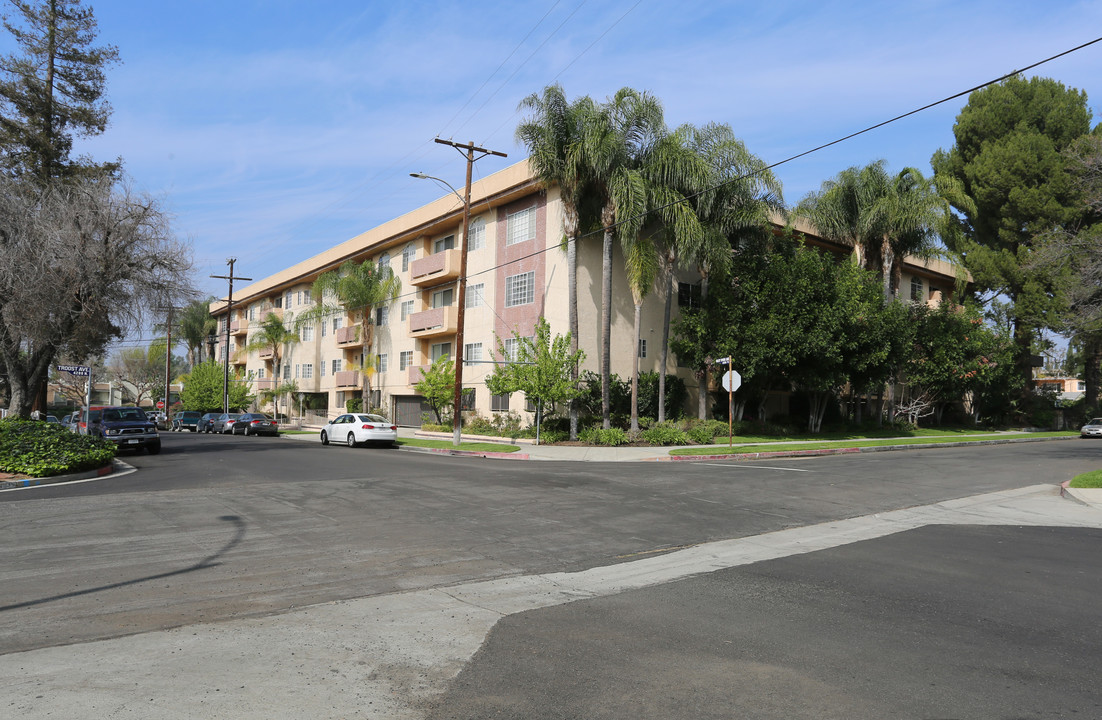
pixel 356 429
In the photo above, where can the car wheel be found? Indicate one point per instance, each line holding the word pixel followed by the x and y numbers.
pixel 351 441
pixel 324 438
pixel 246 431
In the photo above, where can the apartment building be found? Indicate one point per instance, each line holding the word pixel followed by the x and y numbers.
pixel 516 273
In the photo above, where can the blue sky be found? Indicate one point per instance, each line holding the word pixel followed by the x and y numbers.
pixel 273 130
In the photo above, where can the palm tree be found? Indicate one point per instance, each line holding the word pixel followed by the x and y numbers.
pixel 359 288
pixel 196 323
pixel 273 335
pixel 726 194
pixel 554 136
pixel 883 217
pixel 616 135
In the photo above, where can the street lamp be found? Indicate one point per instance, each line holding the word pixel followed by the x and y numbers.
pixel 461 298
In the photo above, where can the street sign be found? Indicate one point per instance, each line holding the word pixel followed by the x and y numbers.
pixel 731 381
pixel 160 404
pixel 79 370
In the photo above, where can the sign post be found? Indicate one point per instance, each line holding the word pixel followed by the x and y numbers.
pixel 731 382
pixel 85 372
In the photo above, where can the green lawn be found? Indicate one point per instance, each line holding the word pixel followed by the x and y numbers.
pixel 846 443
pixel 1091 479
pixel 447 444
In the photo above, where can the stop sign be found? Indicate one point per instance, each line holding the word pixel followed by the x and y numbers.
pixel 731 381
pixel 160 404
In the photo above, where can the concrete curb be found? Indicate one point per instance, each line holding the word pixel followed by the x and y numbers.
pixel 54 479
pixel 469 453
pixel 849 450
pixel 1086 496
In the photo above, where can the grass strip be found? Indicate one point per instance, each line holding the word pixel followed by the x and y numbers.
pixel 1091 479
pixel 764 447
pixel 469 446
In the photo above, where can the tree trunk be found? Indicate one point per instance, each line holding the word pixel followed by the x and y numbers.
pixel 606 322
pixel 663 351
pixel 572 310
pixel 1092 370
pixel 635 366
pixel 887 267
pixel 702 373
pixel 365 359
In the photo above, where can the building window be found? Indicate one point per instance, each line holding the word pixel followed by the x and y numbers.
pixel 443 298
pixel 472 352
pixel 688 295
pixel 642 348
pixel 384 261
pixel 511 346
pixel 916 289
pixel 336 366
pixel 321 367
pixel 1081 386
pixel 520 226
pixel 260 374
pixel 443 244
pixel 252 313
pixel 499 403
pixel 439 350
pixel 476 295
pixel 290 298
pixel 382 316
pixel 307 371
pixel 478 235
pixel 298 369
pixel 382 361
pixel 407 256
pixel 520 289
pixel 407 309
pixel 405 359
pixel 529 405
pixel 337 322
pixel 466 399
pixel 307 333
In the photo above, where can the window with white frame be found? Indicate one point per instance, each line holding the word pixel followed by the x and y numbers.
pixel 298 369
pixel 512 347
pixel 443 298
pixel 405 359
pixel 407 256
pixel 307 333
pixel 290 297
pixel 442 244
pixel 382 316
pixel 477 234
pixel 287 372
pixel 407 309
pixel 520 226
pixel 642 348
pixel 307 371
pixel 476 295
pixel 499 403
pixel 382 362
pixel 260 373
pixel 337 365
pixel 384 261
pixel 321 367
pixel 472 352
pixel 520 289
pixel 252 313
pixel 337 322
pixel 439 350
pixel 916 288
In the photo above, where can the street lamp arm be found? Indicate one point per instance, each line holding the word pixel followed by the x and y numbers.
pixel 423 176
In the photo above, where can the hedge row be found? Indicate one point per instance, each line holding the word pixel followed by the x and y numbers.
pixel 41 449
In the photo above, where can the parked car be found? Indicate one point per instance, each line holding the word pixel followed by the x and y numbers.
pixel 53 419
pixel 206 423
pixel 224 423
pixel 129 428
pixel 255 424
pixel 357 429
pixel 1092 429
pixel 185 420
pixel 88 421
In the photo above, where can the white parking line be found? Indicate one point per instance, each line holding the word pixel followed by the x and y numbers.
pixel 756 467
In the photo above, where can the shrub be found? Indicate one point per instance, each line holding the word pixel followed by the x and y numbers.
pixel 665 434
pixel 701 434
pixel 599 436
pixel 553 435
pixel 40 449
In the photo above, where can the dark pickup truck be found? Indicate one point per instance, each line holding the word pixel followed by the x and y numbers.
pixel 129 428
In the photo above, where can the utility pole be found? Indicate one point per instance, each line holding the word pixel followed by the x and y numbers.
pixel 226 348
pixel 468 150
pixel 168 357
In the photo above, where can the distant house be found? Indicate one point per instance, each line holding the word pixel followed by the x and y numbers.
pixel 1068 388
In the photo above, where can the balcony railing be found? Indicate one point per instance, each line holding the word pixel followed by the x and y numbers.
pixel 239 327
pixel 267 353
pixel 415 374
pixel 347 379
pixel 349 336
pixel 430 323
pixel 264 384
pixel 434 268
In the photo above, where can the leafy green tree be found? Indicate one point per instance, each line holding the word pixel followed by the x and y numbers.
pixel 437 386
pixel 358 289
pixel 542 369
pixel 195 325
pixel 203 389
pixel 51 90
pixel 1010 164
pixel 273 337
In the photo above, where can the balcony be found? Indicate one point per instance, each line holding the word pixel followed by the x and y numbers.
pixel 267 354
pixel 347 379
pixel 349 337
pixel 431 323
pixel 263 313
pixel 264 384
pixel 435 268
pixel 239 327
pixel 239 357
pixel 415 374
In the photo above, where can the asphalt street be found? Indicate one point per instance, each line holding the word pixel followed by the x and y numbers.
pixel 389 569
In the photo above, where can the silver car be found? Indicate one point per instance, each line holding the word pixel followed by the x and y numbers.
pixel 1092 429
pixel 354 429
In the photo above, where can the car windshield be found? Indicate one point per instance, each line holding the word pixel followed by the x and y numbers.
pixel 119 414
pixel 373 419
pixel 1096 421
